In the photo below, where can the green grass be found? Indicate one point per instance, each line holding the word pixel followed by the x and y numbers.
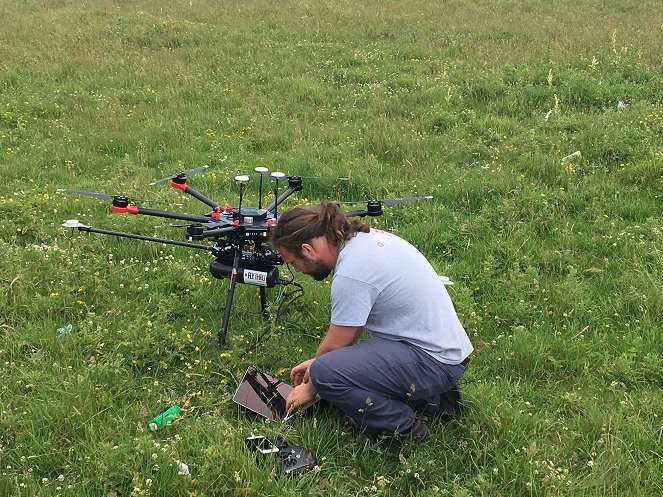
pixel 557 264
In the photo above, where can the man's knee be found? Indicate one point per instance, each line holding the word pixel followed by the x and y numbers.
pixel 322 373
pixel 317 370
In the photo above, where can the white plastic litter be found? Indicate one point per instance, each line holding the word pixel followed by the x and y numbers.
pixel 183 468
pixel 572 157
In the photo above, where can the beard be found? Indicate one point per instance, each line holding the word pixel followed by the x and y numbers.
pixel 319 270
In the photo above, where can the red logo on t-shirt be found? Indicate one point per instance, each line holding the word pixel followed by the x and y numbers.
pixel 381 237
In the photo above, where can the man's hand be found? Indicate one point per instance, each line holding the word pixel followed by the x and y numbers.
pixel 337 337
pixel 299 373
pixel 300 395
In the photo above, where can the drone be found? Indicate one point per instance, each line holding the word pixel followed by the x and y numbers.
pixel 236 237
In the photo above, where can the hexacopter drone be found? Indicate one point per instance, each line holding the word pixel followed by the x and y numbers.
pixel 239 235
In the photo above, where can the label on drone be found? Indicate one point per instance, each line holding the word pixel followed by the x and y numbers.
pixel 255 277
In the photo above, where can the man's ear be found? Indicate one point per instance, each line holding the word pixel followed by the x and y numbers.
pixel 308 251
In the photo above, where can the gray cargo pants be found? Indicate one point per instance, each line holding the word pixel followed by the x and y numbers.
pixel 382 383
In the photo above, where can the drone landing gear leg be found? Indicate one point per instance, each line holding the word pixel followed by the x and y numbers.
pixel 229 299
pixel 263 300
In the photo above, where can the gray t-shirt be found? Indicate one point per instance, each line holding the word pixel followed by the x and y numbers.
pixel 383 283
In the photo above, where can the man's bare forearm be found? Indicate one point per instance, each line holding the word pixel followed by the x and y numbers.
pixel 338 337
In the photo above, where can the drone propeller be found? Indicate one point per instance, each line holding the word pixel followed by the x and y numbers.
pixel 106 196
pixel 389 201
pixel 188 172
pixel 286 176
pixel 394 201
pixel 324 177
pixel 374 207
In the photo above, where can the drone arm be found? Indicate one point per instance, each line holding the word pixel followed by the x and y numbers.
pixel 288 191
pixel 194 193
pixel 218 231
pixel 132 209
pixel 373 209
pixel 197 232
pixel 121 234
pixel 294 185
pixel 362 213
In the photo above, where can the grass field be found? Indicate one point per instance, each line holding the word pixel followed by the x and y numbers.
pixel 557 260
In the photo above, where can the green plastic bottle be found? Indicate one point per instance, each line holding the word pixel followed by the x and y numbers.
pixel 165 418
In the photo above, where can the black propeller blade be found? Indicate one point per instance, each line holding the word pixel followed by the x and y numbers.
pixel 188 172
pixel 374 207
pixel 288 176
pixel 106 196
pixel 103 196
pixel 394 201
pixel 389 201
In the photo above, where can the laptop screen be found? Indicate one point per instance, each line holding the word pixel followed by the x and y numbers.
pixel 262 393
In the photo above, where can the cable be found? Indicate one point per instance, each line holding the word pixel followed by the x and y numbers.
pixel 288 298
pixel 279 292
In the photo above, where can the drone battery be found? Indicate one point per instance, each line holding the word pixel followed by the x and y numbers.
pixel 245 275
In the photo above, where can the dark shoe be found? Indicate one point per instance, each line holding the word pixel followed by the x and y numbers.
pixel 419 430
pixel 451 404
pixel 350 422
pixel 393 443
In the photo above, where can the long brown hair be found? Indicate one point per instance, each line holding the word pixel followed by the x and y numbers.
pixel 301 225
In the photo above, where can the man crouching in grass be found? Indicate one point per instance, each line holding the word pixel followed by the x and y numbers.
pixel 417 349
